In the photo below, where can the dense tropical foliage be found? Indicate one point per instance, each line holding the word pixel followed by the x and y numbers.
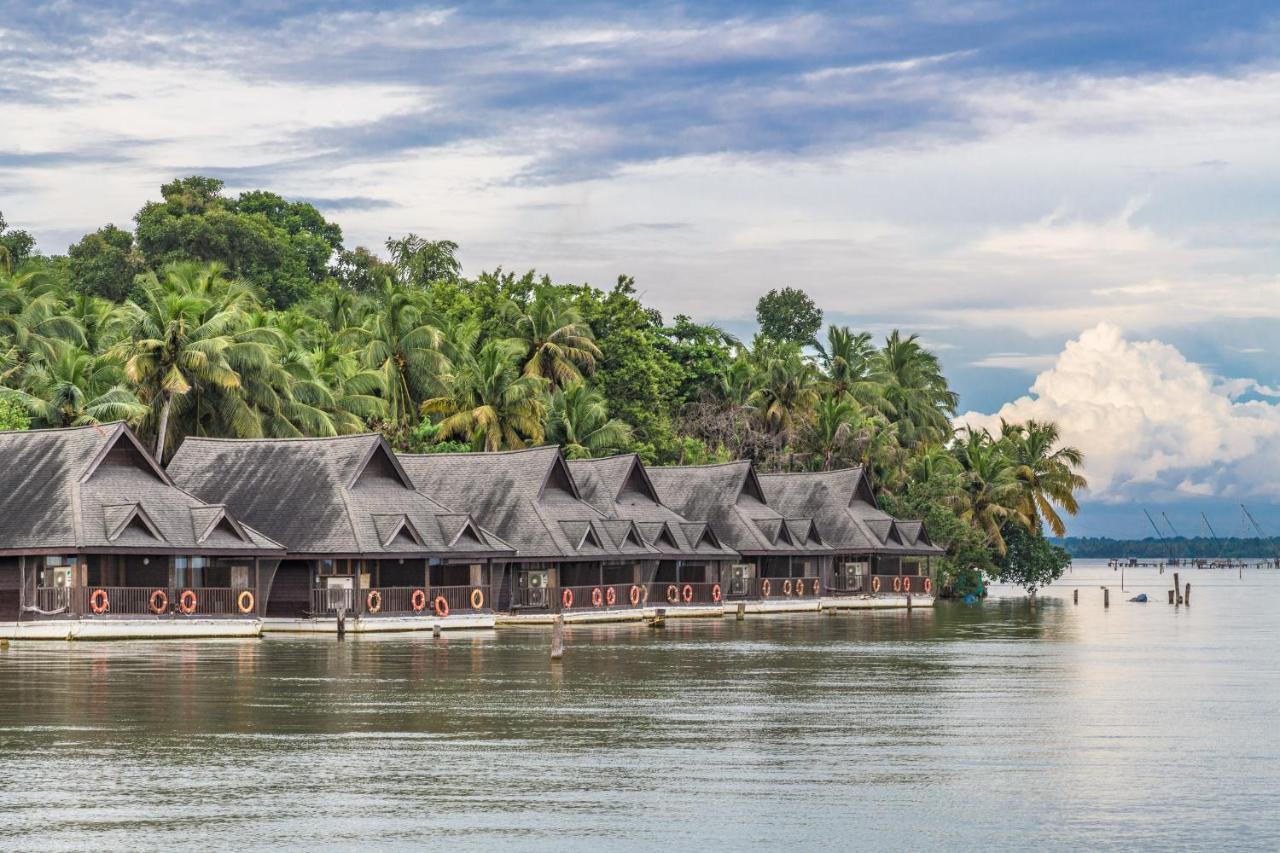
pixel 248 317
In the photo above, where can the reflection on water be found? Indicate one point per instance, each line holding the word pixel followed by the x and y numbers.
pixel 1058 726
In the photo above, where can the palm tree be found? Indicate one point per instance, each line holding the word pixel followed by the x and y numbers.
pixel 912 381
pixel 787 390
pixel 400 344
pixel 579 421
pixel 33 318
pixel 848 359
pixel 995 495
pixel 558 343
pixel 1046 473
pixel 840 430
pixel 76 389
pixel 177 340
pixel 485 397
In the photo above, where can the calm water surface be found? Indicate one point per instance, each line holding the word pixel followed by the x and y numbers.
pixel 976 726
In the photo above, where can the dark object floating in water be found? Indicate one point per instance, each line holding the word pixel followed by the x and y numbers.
pixel 970 599
pixel 1142 596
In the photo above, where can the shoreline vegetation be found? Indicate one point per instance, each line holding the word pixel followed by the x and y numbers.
pixel 1179 547
pixel 247 316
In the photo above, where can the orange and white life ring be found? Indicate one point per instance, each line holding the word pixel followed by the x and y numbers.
pixel 634 595
pixel 928 586
pixel 786 586
pixel 566 598
pixel 906 584
pixel 875 584
pixel 817 586
pixel 158 602
pixel 687 593
pixel 765 587
pixel 897 583
pixel 418 600
pixel 99 602
pixel 441 606
pixel 188 601
pixel 673 594
pixel 597 597
pixel 715 592
pixel 610 596
pixel 477 598
pixel 373 601
pixel 245 601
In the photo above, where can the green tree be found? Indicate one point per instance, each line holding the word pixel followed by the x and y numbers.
pixel 786 391
pixel 361 271
pixel 75 389
pixel 703 353
pixel 105 263
pixel 912 381
pixel 15 247
pixel 558 343
pixel 579 422
pixel 1046 472
pixel 848 360
pixel 788 316
pixel 420 262
pixel 401 345
pixel 994 495
pixel 486 399
pixel 282 247
pixel 1029 560
pixel 13 415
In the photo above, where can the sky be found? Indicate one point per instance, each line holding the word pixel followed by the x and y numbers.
pixel 1073 203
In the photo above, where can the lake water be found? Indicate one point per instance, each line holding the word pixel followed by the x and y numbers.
pixel 961 726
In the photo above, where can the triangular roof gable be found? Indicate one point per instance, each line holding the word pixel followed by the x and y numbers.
pixel 468 532
pixel 581 534
pixel 205 520
pixel 396 528
pixel 380 462
pixel 862 491
pixel 637 480
pixel 751 486
pixel 632 537
pixel 121 517
pixel 705 536
pixel 558 478
pixel 666 537
pixel 881 527
pixel 135 451
pixel 770 527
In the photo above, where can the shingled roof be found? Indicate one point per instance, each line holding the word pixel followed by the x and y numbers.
pixel 532 499
pixel 619 487
pixel 729 498
pixel 96 489
pixel 334 497
pixel 845 507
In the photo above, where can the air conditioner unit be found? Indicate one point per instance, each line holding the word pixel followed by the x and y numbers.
pixel 740 575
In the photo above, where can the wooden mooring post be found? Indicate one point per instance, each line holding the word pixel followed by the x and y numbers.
pixel 1177 593
pixel 557 638
pixel 435 630
pixel 1075 595
pixel 342 623
pixel 1106 597
pixel 1186 599
pixel 1171 594
pixel 742 611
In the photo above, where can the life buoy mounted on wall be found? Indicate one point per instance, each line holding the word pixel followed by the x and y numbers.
pixel 188 601
pixel 373 601
pixel 906 584
pixel 418 600
pixel 687 593
pixel 635 595
pixel 673 594
pixel 566 598
pixel 897 583
pixel 441 606
pixel 715 592
pixel 786 586
pixel 766 588
pixel 245 601
pixel 875 584
pixel 477 598
pixel 610 596
pixel 158 602
pixel 597 597
pixel 928 586
pixel 99 601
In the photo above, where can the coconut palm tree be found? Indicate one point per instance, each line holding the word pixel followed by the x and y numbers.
pixel 839 431
pixel 559 346
pixel 401 344
pixel 848 360
pixel 579 422
pixel 485 397
pixel 1045 471
pixel 787 389
pixel 912 381
pixel 33 316
pixel 995 496
pixel 75 389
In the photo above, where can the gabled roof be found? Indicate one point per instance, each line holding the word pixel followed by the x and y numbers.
pixel 620 487
pixel 530 497
pixel 844 508
pixel 730 498
pixel 95 488
pixel 342 496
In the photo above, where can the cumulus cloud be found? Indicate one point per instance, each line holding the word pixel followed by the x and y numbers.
pixel 1152 423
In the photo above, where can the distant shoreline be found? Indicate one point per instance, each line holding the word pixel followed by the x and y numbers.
pixel 1181 547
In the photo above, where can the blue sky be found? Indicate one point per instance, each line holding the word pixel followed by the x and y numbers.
pixel 1000 177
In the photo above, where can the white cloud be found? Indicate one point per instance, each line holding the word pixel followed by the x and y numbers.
pixel 1150 422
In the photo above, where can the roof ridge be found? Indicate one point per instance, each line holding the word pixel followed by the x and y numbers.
pixel 482 453
pixel 812 473
pixel 282 439
pixel 80 428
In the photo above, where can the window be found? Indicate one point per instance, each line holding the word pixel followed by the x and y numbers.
pixel 189 571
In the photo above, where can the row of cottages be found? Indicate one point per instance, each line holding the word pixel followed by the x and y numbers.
pixel 324 534
pixel 93 531
pixel 360 539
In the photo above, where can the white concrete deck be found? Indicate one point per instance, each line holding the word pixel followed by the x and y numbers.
pixel 875 602
pixel 574 617
pixel 129 629
pixel 380 624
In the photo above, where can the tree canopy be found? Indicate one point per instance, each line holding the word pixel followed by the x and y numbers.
pixel 246 316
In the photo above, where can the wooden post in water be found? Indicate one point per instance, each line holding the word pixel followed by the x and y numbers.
pixel 908 602
pixel 742 610
pixel 1177 593
pixel 435 630
pixel 342 623
pixel 1106 597
pixel 1171 594
pixel 557 638
pixel 1122 578
pixel 1186 599
pixel 1075 595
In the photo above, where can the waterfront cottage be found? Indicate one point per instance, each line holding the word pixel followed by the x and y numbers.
pixel 361 539
pixel 784 558
pixel 874 552
pixel 692 562
pixel 569 556
pixel 97 541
